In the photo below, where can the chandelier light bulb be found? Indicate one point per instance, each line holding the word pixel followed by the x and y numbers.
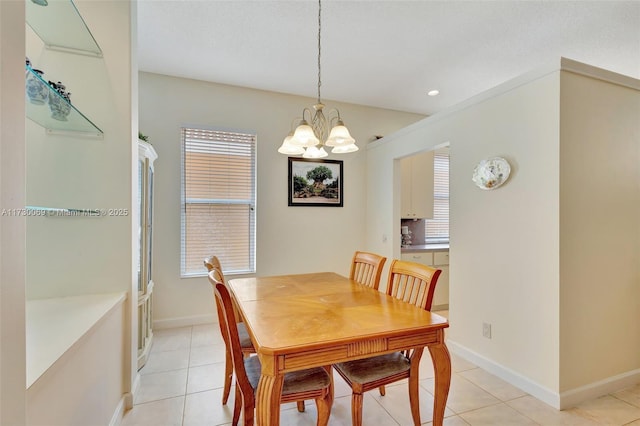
pixel 304 136
pixel 288 148
pixel 344 149
pixel 340 136
pixel 315 152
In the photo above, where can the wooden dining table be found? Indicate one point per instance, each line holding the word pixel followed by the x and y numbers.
pixel 318 319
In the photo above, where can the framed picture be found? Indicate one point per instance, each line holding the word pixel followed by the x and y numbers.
pixel 315 182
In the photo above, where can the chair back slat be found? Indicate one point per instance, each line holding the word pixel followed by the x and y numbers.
pixel 413 283
pixel 366 268
pixel 363 273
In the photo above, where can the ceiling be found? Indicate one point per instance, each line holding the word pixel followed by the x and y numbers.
pixel 387 54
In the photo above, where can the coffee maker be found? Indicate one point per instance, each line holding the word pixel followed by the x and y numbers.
pixel 405 236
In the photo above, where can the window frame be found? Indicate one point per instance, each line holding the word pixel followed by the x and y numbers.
pixel 251 202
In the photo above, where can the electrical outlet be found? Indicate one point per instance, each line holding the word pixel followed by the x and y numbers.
pixel 486 330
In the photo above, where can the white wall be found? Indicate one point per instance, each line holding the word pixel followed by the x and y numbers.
pixel 506 263
pixel 504 243
pixel 12 228
pixel 286 243
pixel 599 231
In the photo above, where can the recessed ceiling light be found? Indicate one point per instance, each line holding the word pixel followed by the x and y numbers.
pixel 433 92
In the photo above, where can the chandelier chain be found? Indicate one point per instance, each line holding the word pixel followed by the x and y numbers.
pixel 319 29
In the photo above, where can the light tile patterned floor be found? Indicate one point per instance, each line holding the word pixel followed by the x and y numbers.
pixel 181 385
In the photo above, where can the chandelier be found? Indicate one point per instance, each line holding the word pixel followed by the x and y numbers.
pixel 310 139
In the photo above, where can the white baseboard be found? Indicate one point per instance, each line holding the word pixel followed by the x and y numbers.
pixel 126 402
pixel 184 321
pixel 118 414
pixel 130 397
pixel 611 384
pixel 436 308
pixel 538 391
pixel 560 401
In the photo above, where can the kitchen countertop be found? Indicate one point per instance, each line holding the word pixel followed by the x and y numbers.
pixel 425 247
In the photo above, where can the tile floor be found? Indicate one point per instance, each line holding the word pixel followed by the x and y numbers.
pixel 181 385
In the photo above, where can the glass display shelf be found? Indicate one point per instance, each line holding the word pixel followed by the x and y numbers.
pixel 60 26
pixel 40 108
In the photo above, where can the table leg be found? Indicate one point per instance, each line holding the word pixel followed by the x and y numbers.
pixel 442 369
pixel 414 386
pixel 268 400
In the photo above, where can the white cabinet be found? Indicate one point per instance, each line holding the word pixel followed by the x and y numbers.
pixel 440 260
pixel 146 157
pixel 424 257
pixel 417 186
pixel 441 296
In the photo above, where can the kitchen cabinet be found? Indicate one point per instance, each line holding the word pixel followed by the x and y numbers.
pixel 417 186
pixel 426 258
pixel 436 259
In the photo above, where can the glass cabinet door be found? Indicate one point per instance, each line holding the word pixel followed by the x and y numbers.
pixel 149 221
pixel 141 279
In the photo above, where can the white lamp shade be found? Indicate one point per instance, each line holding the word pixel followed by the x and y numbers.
pixel 344 149
pixel 340 136
pixel 315 152
pixel 304 136
pixel 288 148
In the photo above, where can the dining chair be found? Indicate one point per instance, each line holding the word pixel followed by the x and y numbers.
pixel 366 268
pixel 413 283
pixel 213 266
pixel 314 383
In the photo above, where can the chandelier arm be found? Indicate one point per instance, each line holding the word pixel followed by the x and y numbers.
pixel 332 116
pixel 307 110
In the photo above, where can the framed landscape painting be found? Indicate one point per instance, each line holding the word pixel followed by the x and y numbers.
pixel 314 182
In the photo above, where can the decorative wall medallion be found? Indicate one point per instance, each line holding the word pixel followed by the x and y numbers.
pixel 491 173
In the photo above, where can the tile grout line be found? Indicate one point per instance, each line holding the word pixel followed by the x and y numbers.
pixel 186 384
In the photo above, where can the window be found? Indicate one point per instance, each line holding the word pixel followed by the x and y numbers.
pixel 437 229
pixel 218 200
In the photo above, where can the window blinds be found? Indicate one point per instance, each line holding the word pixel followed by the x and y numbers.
pixel 218 200
pixel 437 229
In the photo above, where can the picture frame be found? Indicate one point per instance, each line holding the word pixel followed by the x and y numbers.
pixel 324 191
